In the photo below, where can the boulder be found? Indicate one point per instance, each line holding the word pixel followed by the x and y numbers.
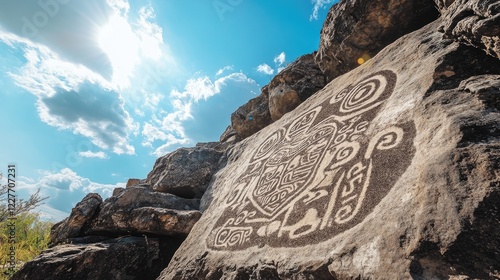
pixel 475 23
pixel 252 116
pixel 131 258
pixel 186 172
pixel 72 226
pixel 356 30
pixel 229 135
pixel 139 210
pixel 117 191
pixel 165 222
pixel 392 171
pixel 132 182
pixel 282 99
pixel 303 76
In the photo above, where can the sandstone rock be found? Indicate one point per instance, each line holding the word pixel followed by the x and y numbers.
pixel 117 191
pixel 282 99
pixel 252 116
pixel 356 30
pixel 443 4
pixel 166 222
pixel 475 23
pixel 392 171
pixel 186 172
pixel 139 210
pixel 303 76
pixel 132 182
pixel 229 135
pixel 123 258
pixel 80 215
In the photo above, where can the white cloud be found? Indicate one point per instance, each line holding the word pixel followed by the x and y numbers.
pixel 266 69
pixel 72 97
pixel 168 127
pixel 281 69
pixel 92 112
pixel 280 59
pixel 65 188
pixel 120 6
pixel 319 4
pixel 196 89
pixel 223 69
pixel 66 27
pixel 90 154
pixel 134 48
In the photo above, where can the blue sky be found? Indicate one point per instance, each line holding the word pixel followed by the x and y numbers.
pixel 92 92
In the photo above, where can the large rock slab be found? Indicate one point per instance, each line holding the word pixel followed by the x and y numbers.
pixel 123 258
pixel 294 84
pixel 474 22
pixel 80 215
pixel 390 172
pixel 186 172
pixel 356 30
pixel 139 210
pixel 251 116
pixel 303 76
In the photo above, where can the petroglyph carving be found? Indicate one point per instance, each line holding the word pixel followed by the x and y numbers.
pixel 319 175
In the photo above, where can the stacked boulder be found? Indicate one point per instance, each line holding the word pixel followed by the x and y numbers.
pixel 134 233
pixel 376 157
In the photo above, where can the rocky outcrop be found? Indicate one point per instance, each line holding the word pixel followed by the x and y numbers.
pixel 475 23
pixel 139 210
pixel 186 172
pixel 80 215
pixel 302 76
pixel 297 82
pixel 252 116
pixel 390 172
pixel 138 258
pixel 282 99
pixel 356 30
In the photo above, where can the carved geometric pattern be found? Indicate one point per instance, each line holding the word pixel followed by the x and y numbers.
pixel 319 175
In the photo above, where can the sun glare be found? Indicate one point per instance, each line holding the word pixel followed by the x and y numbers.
pixel 121 45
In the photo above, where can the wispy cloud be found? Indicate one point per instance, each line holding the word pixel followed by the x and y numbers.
pixel 223 69
pixel 280 59
pixel 319 4
pixel 92 112
pixel 169 127
pixel 90 154
pixel 62 187
pixel 265 69
pixel 77 97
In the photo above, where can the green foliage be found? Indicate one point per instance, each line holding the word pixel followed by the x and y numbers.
pixel 31 238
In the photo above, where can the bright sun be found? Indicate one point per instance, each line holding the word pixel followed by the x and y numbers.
pixel 121 45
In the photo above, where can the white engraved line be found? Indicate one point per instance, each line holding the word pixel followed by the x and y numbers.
pixel 331 203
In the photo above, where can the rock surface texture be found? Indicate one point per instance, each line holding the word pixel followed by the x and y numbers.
pixel 114 259
pixel 252 116
pixel 75 223
pixel 474 22
pixel 359 29
pixel 386 170
pixel 390 172
pixel 187 171
pixel 297 82
pixel 139 210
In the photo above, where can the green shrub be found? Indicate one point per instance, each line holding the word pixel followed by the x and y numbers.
pixel 31 237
